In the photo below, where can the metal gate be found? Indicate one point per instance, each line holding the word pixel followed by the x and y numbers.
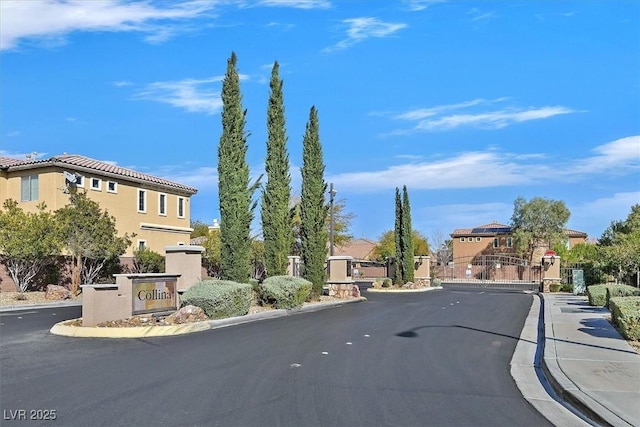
pixel 499 271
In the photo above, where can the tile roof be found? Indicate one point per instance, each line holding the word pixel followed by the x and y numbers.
pixel 87 164
pixel 486 229
pixel 357 248
pixel 497 228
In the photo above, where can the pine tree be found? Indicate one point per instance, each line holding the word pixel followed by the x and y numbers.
pixel 313 208
pixel 398 234
pixel 236 207
pixel 276 217
pixel 407 239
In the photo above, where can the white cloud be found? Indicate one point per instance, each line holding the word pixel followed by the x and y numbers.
pixel 613 157
pixel 190 94
pixel 467 170
pixel 122 83
pixel 478 113
pixel 597 214
pixel 52 20
pixel 360 29
pixel 298 4
pixel 14 133
pixel 492 168
pixel 417 5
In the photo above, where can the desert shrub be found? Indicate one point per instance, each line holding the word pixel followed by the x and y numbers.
pixel 555 287
pixel 436 282
pixel 219 298
pixel 566 287
pixel 625 313
pixel 620 291
pixel 285 292
pixel 387 282
pixel 147 261
pixel 597 295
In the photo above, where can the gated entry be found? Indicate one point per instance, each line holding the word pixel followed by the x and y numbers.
pixel 502 271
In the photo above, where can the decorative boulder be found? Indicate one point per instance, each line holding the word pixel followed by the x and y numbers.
pixel 57 292
pixel 187 314
pixel 355 292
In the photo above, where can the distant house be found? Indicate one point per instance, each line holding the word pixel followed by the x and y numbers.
pixel 362 252
pixel 495 238
pixel 155 209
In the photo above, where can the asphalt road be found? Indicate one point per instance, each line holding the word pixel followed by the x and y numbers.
pixel 426 359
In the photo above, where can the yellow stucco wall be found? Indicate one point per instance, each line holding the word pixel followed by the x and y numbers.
pixel 156 230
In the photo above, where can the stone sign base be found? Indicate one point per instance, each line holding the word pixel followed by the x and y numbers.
pixel 342 290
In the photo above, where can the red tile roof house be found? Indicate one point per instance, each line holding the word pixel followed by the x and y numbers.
pixel 362 252
pixel 156 210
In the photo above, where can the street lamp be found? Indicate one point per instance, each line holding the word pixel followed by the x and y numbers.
pixel 332 195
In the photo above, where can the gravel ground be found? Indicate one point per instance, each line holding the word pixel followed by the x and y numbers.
pixel 11 298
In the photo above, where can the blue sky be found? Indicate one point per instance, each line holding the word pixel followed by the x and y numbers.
pixel 471 104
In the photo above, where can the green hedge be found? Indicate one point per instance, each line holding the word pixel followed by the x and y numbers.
pixel 625 312
pixel 621 291
pixel 219 298
pixel 284 292
pixel 598 293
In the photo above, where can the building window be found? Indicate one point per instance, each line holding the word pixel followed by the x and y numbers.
pixel 142 244
pixel 96 184
pixel 29 188
pixel 509 242
pixel 470 239
pixel 112 187
pixel 79 181
pixel 162 204
pixel 142 201
pixel 462 239
pixel 496 242
pixel 478 239
pixel 180 207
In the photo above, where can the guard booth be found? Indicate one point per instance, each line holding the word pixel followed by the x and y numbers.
pixel 340 282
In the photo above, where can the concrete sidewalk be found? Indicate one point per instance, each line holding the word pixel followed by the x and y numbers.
pixel 588 363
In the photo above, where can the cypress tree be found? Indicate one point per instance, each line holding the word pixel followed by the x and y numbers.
pixel 313 208
pixel 398 234
pixel 407 238
pixel 236 207
pixel 276 218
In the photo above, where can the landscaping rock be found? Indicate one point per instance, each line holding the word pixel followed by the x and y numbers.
pixel 57 292
pixel 186 314
pixel 355 291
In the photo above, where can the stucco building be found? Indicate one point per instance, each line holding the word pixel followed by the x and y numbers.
pixel 495 238
pixel 156 210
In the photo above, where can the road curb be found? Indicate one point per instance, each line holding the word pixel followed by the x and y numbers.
pixel 564 387
pixel 64 329
pixel 37 306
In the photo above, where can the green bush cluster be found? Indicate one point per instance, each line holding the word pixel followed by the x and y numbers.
pixel 219 298
pixel 284 292
pixel 621 291
pixel 625 313
pixel 599 294
pixel 555 287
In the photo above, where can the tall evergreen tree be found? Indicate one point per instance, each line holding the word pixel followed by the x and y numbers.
pixel 407 238
pixel 236 207
pixel 313 208
pixel 398 235
pixel 276 217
